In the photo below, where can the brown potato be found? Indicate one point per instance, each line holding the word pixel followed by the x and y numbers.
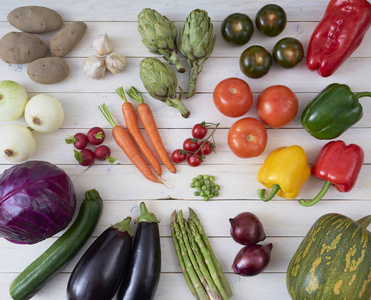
pixel 21 47
pixel 67 38
pixel 48 70
pixel 35 19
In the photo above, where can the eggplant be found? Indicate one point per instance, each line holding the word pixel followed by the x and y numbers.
pixel 99 272
pixel 143 273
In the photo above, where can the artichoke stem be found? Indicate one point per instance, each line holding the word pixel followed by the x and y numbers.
pixel 174 59
pixel 179 105
pixel 193 75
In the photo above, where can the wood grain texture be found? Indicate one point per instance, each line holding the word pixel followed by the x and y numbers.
pixel 122 186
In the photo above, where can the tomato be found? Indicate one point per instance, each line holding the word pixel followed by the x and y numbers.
pixel 277 106
pixel 233 97
pixel 207 148
pixel 237 29
pixel 190 145
pixel 271 20
pixel 247 138
pixel 255 61
pixel 199 131
pixel 288 52
pixel 194 160
pixel 178 156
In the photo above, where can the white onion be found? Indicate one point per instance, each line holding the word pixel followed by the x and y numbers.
pixel 17 143
pixel 13 99
pixel 44 113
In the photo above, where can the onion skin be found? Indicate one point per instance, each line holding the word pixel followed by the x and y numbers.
pixel 252 260
pixel 246 229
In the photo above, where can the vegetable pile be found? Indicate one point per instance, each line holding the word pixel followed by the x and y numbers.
pixel 199 265
pixel 205 186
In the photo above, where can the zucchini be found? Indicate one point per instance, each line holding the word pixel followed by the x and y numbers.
pixel 56 257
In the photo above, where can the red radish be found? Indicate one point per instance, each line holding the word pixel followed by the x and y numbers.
pixel 79 140
pixel 85 157
pixel 103 152
pixel 96 136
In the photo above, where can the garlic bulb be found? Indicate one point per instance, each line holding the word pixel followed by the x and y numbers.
pixel 103 44
pixel 115 62
pixel 94 67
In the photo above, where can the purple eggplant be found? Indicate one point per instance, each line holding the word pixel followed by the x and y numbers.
pixel 143 273
pixel 100 270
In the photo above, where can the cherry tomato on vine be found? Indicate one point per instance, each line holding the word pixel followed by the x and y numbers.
pixel 194 160
pixel 232 97
pixel 247 138
pixel 207 148
pixel 237 29
pixel 199 131
pixel 277 106
pixel 177 156
pixel 271 20
pixel 190 145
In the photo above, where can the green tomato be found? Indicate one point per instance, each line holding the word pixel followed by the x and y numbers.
pixel 288 52
pixel 255 61
pixel 237 29
pixel 271 20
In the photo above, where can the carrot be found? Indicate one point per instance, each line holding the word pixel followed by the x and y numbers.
pixel 123 139
pixel 146 116
pixel 132 126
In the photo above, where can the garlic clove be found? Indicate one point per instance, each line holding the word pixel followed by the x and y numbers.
pixel 103 44
pixel 115 62
pixel 94 67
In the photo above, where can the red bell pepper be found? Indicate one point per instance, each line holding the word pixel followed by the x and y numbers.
pixel 338 35
pixel 338 165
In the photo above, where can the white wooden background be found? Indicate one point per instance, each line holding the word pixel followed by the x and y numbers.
pixel 122 187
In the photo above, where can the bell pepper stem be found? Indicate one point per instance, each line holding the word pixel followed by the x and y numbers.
pixel 365 221
pixel 319 196
pixel 363 94
pixel 272 193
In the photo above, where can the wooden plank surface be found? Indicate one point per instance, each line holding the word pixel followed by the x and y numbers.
pixel 123 188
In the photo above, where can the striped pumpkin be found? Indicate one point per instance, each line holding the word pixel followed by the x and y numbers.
pixel 333 261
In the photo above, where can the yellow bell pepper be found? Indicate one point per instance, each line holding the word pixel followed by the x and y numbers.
pixel 285 171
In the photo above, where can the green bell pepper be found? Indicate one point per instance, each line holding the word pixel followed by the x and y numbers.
pixel 332 111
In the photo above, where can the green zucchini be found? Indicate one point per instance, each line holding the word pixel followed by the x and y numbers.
pixel 27 283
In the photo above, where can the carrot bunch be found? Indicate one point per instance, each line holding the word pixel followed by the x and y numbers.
pixel 125 140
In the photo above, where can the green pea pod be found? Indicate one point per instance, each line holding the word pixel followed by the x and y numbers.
pixel 335 109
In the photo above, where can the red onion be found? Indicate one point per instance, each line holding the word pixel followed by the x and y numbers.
pixel 246 229
pixel 252 260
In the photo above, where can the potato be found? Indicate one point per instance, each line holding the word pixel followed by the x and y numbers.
pixel 48 70
pixel 67 38
pixel 21 47
pixel 35 19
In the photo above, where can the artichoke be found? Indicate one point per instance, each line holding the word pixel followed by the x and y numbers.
pixel 159 36
pixel 160 81
pixel 197 41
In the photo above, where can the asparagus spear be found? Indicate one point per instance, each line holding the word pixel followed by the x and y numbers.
pixel 189 268
pixel 209 262
pixel 201 262
pixel 191 254
pixel 179 256
pixel 205 240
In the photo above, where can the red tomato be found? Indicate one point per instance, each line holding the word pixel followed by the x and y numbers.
pixel 178 156
pixel 247 138
pixel 199 131
pixel 277 106
pixel 190 145
pixel 233 97
pixel 193 160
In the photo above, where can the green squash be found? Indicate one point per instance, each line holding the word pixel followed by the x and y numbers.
pixel 333 262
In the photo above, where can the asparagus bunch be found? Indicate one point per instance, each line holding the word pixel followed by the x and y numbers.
pixel 196 258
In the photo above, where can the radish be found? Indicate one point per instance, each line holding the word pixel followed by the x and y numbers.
pixel 85 157
pixel 103 152
pixel 79 140
pixel 96 136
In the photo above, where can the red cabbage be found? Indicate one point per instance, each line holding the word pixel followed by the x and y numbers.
pixel 37 200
